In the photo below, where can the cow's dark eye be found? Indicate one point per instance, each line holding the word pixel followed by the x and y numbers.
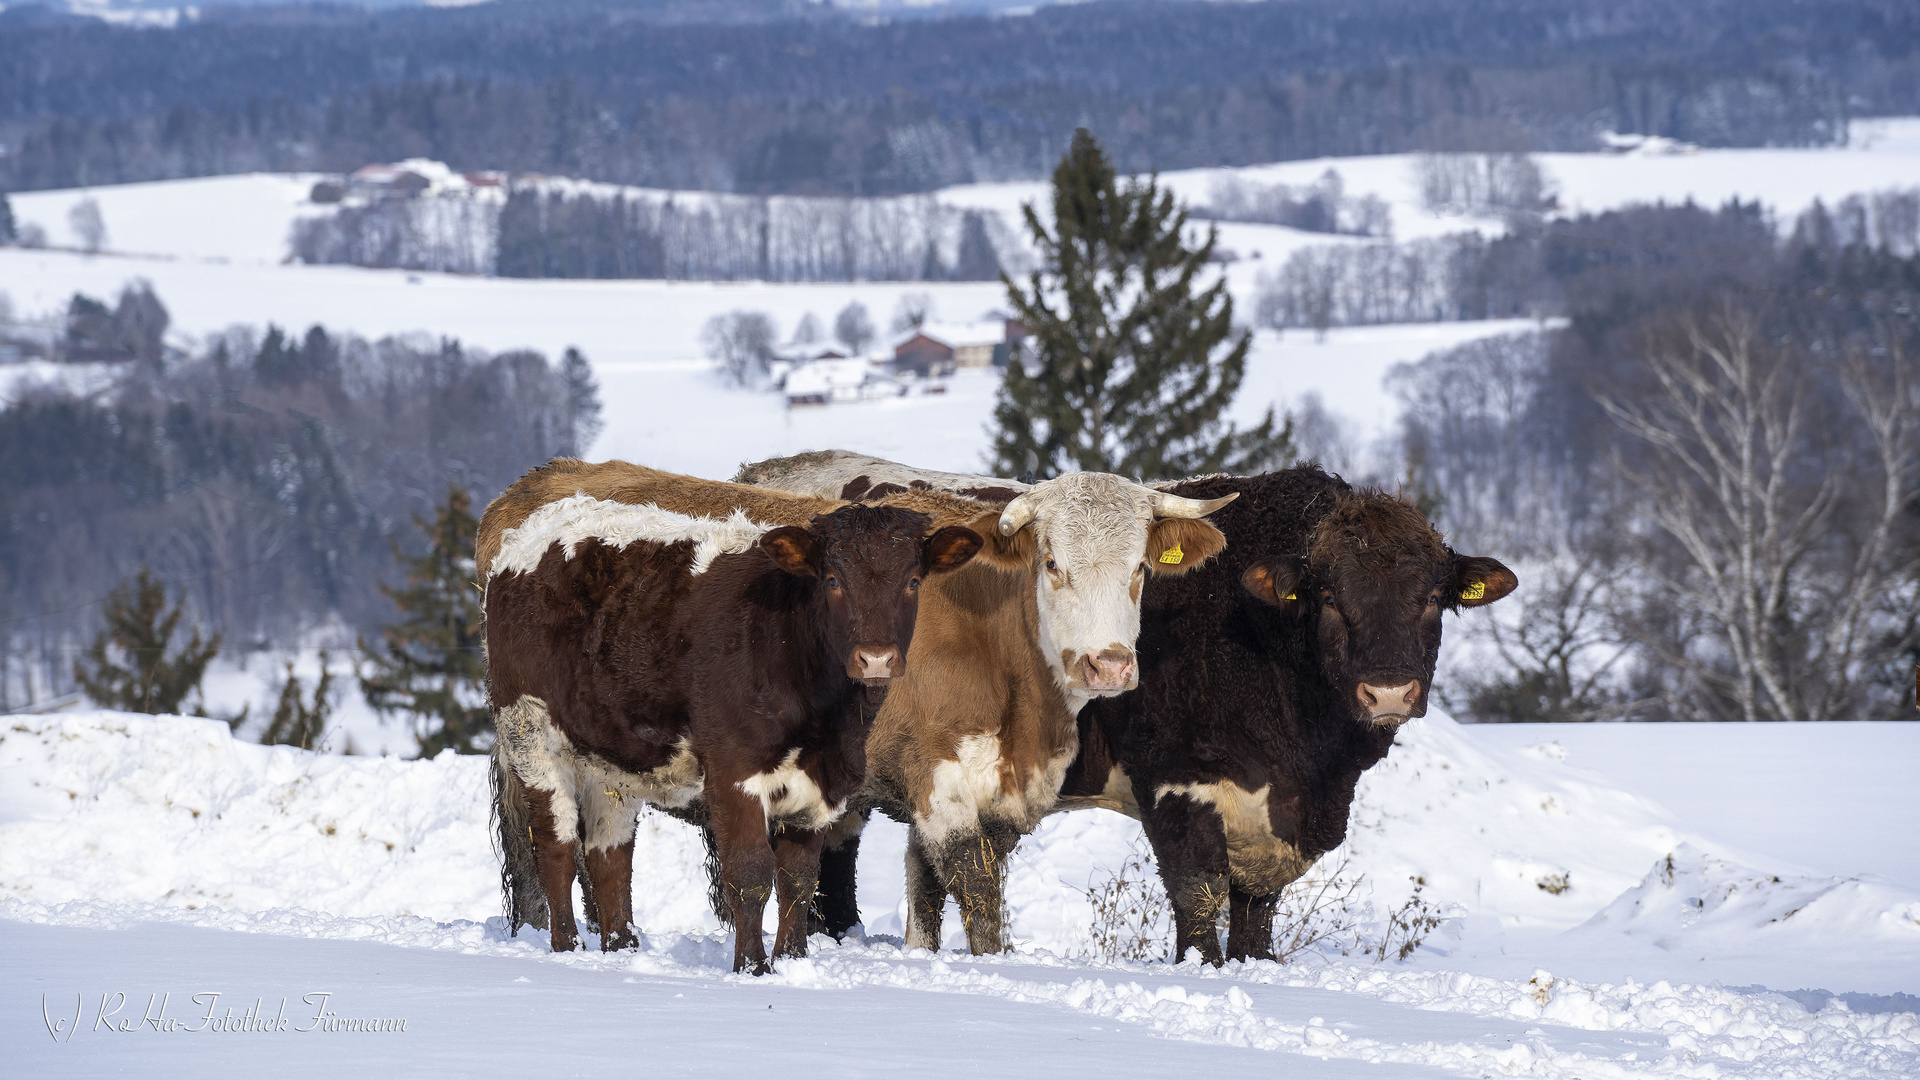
pixel 833 582
pixel 1142 569
pixel 1051 566
pixel 913 585
pixel 1326 598
pixel 1433 599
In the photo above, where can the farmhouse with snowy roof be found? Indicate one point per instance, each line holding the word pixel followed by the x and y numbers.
pixel 935 349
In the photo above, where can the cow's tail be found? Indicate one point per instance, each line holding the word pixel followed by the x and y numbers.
pixel 520 892
pixel 716 894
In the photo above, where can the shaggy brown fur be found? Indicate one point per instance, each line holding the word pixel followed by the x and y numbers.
pixel 616 667
pixel 625 482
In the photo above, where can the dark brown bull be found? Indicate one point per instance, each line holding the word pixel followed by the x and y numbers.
pixel 1271 678
pixel 637 653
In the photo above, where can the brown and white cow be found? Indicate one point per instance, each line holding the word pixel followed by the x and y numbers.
pixel 970 747
pixel 659 638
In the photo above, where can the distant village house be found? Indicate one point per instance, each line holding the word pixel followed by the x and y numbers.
pixel 936 349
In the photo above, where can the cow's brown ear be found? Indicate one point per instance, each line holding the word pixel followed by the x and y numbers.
pixel 1177 545
pixel 791 549
pixel 1006 552
pixel 1274 581
pixel 950 548
pixel 1479 581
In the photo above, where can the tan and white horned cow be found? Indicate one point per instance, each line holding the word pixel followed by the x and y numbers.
pixel 971 745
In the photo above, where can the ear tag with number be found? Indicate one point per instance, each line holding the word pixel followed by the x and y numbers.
pixel 1475 591
pixel 1172 555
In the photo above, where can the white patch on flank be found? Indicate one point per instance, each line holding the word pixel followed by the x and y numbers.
pixel 969 789
pixel 1257 860
pixel 787 792
pixel 588 795
pixel 1116 796
pixel 577 518
pixel 848 827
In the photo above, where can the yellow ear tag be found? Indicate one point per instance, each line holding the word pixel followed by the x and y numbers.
pixel 1475 591
pixel 1290 596
pixel 1172 555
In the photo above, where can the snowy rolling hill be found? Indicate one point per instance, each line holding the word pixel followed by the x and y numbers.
pixel 215 251
pixel 153 855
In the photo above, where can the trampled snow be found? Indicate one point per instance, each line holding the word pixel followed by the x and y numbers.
pixel 152 855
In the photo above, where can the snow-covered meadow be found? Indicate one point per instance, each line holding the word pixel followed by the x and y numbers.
pixel 1624 901
pixel 153 855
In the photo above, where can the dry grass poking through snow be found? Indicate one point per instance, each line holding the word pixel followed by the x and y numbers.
pixel 1326 912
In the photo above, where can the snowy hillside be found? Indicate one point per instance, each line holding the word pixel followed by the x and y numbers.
pixel 142 855
pixel 214 250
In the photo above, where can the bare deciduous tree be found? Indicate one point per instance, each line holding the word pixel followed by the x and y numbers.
pixel 1784 528
pixel 853 327
pixel 89 227
pixel 741 344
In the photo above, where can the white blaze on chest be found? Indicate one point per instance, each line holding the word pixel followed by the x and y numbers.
pixel 971 788
pixel 787 793
pixel 571 521
pixel 1257 860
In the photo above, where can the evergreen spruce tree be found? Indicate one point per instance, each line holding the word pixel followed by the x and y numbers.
pixel 1124 375
pixel 976 259
pixel 295 723
pixel 9 232
pixel 128 667
pixel 583 403
pixel 428 665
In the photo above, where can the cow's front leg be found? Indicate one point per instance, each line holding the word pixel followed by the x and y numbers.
pixel 796 857
pixel 837 906
pixel 553 861
pixel 976 867
pixel 926 895
pixel 1250 924
pixel 1190 844
pixel 746 868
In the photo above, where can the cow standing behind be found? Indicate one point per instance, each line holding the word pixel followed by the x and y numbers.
pixel 1270 680
pixel 660 638
pixel 970 747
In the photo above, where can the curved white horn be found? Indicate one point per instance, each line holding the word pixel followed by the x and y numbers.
pixel 1175 506
pixel 1016 515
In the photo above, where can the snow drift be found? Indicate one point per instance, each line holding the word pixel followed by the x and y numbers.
pixel 111 820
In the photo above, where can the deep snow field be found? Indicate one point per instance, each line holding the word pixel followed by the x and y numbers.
pixel 148 856
pixel 1717 885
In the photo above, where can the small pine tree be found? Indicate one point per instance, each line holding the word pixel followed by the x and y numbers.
pixel 429 664
pixel 976 259
pixel 583 403
pixel 8 231
pixel 1125 376
pixel 128 666
pixel 295 723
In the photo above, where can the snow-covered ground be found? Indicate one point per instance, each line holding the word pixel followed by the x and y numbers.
pixel 148 856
